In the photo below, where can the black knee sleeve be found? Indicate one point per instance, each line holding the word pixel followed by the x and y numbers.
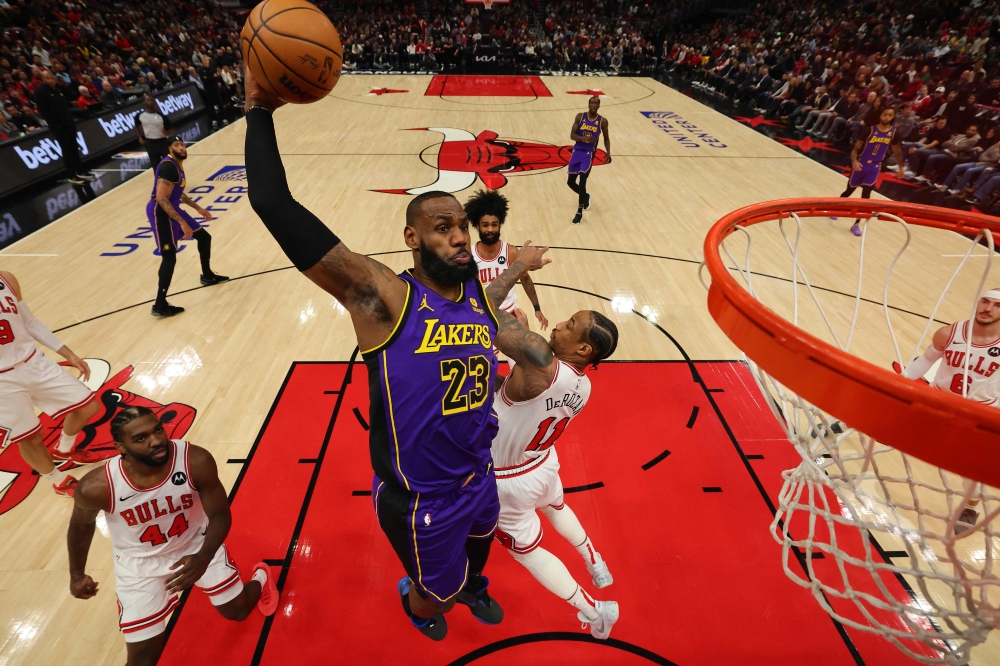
pixel 167 262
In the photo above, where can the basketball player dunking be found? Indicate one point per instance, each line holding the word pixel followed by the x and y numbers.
pixel 539 398
pixel 426 336
pixel 171 224
pixel 487 210
pixel 28 379
pixel 168 515
pixel 867 157
pixel 950 343
pixel 585 131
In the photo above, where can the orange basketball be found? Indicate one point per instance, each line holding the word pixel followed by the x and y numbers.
pixel 292 49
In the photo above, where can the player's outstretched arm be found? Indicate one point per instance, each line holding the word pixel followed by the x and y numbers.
pixel 40 332
pixel 529 289
pixel 204 477
pixel 513 339
pixel 919 366
pixel 89 499
pixel 371 292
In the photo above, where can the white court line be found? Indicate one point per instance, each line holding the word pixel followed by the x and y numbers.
pixel 3 254
pixel 962 255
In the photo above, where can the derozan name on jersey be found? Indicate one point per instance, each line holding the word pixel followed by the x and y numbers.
pixel 573 401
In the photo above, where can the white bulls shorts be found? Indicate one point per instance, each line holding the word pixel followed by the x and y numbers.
pixel 523 489
pixel 144 602
pixel 36 382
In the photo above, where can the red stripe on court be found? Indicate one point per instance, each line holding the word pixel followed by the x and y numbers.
pixel 486 86
pixel 697 575
pixel 265 509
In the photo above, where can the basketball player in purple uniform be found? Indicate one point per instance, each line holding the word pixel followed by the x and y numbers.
pixel 427 335
pixel 868 154
pixel 171 224
pixel 587 128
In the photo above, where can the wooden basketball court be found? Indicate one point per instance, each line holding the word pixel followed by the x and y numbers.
pixel 675 465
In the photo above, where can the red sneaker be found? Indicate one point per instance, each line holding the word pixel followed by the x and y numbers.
pixel 66 488
pixel 268 591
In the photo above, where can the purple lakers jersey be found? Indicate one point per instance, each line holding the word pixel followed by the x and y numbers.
pixel 175 194
pixel 588 128
pixel 877 145
pixel 431 390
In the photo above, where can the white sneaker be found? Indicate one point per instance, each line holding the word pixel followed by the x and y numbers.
pixel 607 612
pixel 600 574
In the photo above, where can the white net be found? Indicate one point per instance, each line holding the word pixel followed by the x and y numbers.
pixel 877 535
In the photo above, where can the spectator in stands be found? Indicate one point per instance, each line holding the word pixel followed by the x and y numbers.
pixel 86 99
pixel 962 175
pixel 111 96
pixel 960 148
pixel 930 144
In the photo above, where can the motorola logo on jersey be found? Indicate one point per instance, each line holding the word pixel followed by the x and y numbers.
pixel 179 478
pixel 502 260
pixel 994 351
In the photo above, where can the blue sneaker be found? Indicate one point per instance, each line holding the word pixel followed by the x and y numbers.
pixel 482 605
pixel 434 628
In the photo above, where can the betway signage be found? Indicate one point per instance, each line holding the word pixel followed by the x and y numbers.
pixel 36 156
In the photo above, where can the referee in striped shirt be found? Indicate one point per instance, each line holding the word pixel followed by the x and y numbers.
pixel 153 129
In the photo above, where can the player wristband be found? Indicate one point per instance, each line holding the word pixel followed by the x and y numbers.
pixel 258 106
pixel 538 308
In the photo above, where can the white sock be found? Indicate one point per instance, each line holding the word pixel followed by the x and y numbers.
pixel 589 553
pixel 553 574
pixel 56 476
pixel 584 603
pixel 66 443
pixel 260 576
pixel 568 525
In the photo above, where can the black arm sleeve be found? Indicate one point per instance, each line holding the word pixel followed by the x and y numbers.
pixel 302 236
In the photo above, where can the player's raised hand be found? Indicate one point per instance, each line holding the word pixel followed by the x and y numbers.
pixel 257 95
pixel 82 587
pixel 192 568
pixel 533 257
pixel 542 320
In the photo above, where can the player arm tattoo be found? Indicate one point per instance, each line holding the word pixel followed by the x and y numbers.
pixel 163 190
pixel 500 287
pixel 529 349
pixel 363 285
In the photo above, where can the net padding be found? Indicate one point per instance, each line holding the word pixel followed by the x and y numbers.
pixel 869 529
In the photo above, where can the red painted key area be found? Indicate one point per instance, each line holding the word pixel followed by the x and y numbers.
pixel 697 574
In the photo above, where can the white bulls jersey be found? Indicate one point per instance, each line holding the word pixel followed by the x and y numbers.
pixel 490 269
pixel 984 383
pixel 528 429
pixel 16 344
pixel 151 528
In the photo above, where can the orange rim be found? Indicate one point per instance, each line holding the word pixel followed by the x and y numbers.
pixel 935 426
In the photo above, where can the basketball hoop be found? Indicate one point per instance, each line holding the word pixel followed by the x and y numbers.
pixel 880 453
